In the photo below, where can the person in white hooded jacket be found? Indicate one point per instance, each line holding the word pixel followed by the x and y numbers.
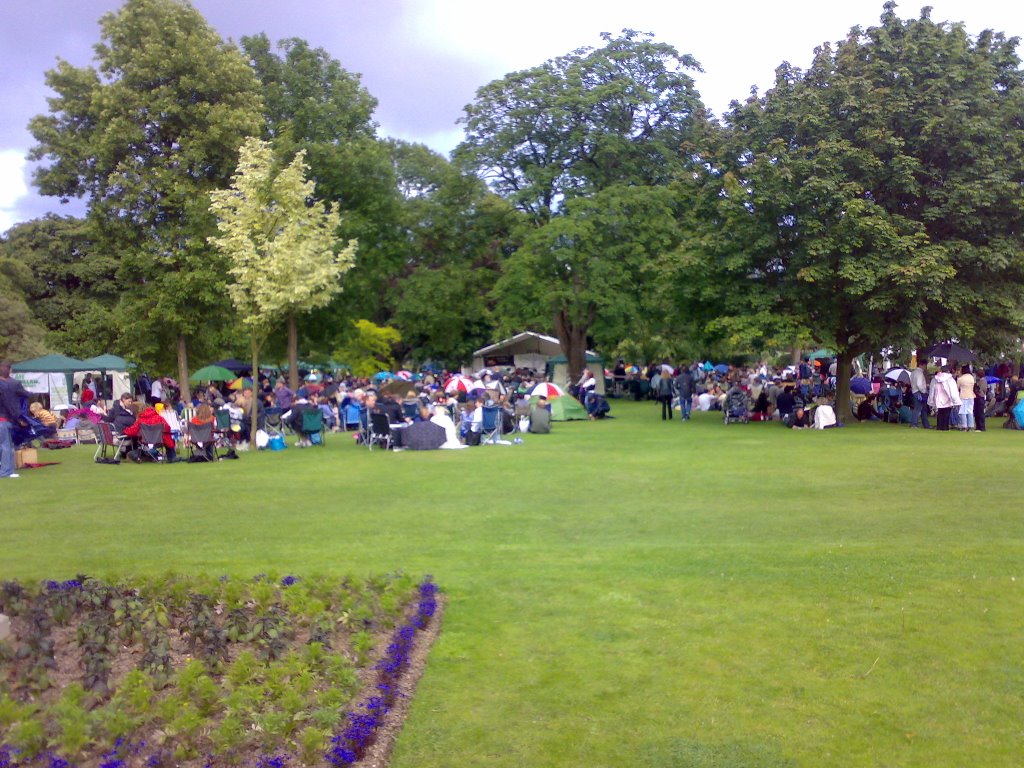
pixel 943 396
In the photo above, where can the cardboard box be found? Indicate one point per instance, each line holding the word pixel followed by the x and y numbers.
pixel 25 456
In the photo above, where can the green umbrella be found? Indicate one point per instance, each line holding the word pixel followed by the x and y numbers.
pixel 212 373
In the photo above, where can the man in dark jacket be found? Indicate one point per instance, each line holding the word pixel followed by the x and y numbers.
pixel 684 387
pixel 11 395
pixel 121 416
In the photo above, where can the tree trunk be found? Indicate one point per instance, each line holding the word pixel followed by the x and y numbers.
pixel 186 392
pixel 794 356
pixel 843 361
pixel 293 353
pixel 255 392
pixel 573 340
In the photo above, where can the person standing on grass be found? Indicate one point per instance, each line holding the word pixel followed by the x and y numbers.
pixel 943 397
pixel 980 401
pixel 965 383
pixel 11 396
pixel 665 394
pixel 684 386
pixel 919 388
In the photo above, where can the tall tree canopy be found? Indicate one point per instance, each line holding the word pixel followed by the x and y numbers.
pixel 875 199
pixel 583 122
pixel 626 114
pixel 279 243
pixel 143 137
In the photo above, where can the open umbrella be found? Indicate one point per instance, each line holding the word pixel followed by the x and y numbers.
pixel 899 375
pixel 212 373
pixel 721 368
pixel 547 389
pixel 459 383
pixel 240 383
pixel 383 376
pixel 633 369
pixel 859 385
pixel 951 351
pixel 992 379
pixel 396 387
pixel 406 375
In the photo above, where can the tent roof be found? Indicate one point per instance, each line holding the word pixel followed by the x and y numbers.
pixel 51 364
pixel 592 357
pixel 523 343
pixel 105 363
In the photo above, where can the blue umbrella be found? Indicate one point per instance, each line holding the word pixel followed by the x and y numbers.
pixel 383 376
pixel 722 368
pixel 859 385
pixel 992 379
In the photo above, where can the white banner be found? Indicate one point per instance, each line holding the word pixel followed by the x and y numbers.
pixel 36 383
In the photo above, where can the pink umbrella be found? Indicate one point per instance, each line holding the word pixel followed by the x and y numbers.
pixel 459 383
pixel 405 375
pixel 547 389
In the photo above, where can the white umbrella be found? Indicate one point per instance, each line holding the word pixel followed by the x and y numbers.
pixel 547 389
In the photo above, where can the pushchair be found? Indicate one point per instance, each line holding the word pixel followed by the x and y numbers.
pixel 29 431
pixel 735 408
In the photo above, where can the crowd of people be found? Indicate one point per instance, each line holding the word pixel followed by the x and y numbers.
pixel 959 397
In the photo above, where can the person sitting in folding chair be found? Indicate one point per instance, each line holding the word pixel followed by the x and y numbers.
pixel 295 418
pixel 202 441
pixel 150 433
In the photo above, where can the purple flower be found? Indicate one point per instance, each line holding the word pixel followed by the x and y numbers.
pixel 287 581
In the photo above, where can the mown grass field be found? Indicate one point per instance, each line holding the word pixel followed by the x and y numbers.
pixel 629 592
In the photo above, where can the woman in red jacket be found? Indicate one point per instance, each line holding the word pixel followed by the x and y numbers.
pixel 150 416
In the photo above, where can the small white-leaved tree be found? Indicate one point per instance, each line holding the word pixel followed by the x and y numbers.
pixel 280 244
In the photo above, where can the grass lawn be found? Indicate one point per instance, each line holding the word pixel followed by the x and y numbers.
pixel 629 592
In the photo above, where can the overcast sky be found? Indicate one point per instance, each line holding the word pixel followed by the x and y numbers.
pixel 424 59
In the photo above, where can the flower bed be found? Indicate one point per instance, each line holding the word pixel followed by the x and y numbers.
pixel 267 672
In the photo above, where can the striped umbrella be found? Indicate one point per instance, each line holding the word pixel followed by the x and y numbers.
pixel 404 375
pixel 547 389
pixel 459 383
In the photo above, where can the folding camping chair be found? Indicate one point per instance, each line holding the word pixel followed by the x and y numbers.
pixel 202 444
pixel 379 431
pixel 312 426
pixel 151 443
pixel 490 431
pixel 106 438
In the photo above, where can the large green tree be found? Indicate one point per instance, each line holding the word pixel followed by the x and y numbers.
pixel 626 114
pixel 73 289
pixel 279 243
pixel 457 236
pixel 874 199
pixel 143 136
pixel 313 104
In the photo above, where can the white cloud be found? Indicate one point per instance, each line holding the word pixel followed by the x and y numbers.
pixel 739 43
pixel 12 185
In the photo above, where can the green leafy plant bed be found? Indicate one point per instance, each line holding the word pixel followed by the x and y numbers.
pixel 193 671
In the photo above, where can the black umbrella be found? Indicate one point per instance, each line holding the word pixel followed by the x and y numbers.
pixel 951 351
pixel 423 436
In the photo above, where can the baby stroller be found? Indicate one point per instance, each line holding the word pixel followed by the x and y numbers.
pixel 29 431
pixel 735 409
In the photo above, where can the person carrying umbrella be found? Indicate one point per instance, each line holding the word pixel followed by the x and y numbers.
pixel 919 389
